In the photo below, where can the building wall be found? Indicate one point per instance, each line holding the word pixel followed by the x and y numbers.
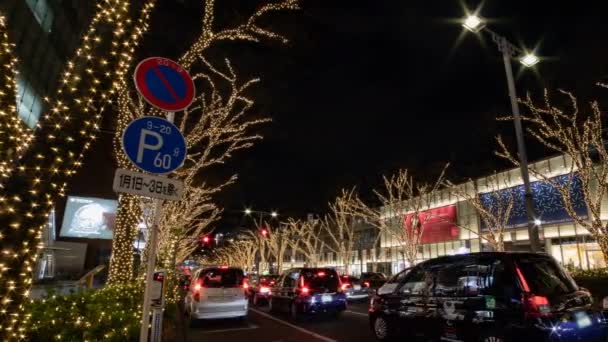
pixel 567 242
pixel 45 34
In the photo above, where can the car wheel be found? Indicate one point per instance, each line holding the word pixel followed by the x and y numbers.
pixel 381 329
pixel 293 311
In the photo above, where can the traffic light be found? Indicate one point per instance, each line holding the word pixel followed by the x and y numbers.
pixel 206 241
pixel 264 232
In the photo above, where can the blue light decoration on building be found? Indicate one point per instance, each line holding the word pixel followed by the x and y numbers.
pixel 547 202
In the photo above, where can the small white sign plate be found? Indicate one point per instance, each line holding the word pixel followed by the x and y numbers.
pixel 136 183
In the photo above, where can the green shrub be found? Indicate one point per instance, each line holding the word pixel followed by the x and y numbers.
pixel 109 314
pixel 595 280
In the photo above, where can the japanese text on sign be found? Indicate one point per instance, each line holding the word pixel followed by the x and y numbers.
pixel 136 183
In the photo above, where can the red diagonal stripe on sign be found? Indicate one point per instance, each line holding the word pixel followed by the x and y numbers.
pixel 166 83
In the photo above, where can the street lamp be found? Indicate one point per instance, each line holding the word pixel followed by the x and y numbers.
pixel 529 60
pixel 248 211
pixel 474 24
pixel 274 214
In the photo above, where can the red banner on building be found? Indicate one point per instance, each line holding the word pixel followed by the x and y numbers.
pixel 439 224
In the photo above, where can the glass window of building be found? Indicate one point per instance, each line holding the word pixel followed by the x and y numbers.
pixel 29 106
pixel 42 12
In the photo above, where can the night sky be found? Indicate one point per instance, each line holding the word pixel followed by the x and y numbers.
pixel 367 87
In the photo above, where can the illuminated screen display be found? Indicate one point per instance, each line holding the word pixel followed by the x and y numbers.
pixel 89 217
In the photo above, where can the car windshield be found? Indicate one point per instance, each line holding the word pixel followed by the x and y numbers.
pixel 321 279
pixel 219 277
pixel 543 276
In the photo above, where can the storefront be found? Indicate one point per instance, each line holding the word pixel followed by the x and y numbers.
pixel 454 226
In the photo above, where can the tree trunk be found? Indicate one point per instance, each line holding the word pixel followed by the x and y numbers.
pixel 603 243
pixel 56 154
pixel 127 219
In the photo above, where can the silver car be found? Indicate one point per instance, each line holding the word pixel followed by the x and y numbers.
pixel 216 293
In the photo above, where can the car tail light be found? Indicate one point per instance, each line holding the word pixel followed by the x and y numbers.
pixel 245 285
pixel 366 284
pixel 321 274
pixel 197 291
pixel 534 306
pixel 305 291
pixel 345 286
pixel 264 290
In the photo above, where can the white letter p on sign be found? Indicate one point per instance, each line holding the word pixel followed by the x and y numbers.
pixel 143 146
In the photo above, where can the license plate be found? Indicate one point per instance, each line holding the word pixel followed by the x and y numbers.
pixel 582 319
pixel 326 298
pixel 357 287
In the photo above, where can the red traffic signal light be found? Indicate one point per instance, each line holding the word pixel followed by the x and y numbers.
pixel 206 239
pixel 264 232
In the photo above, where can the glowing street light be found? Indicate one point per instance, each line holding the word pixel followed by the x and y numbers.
pixel 473 23
pixel 248 211
pixel 274 214
pixel 508 50
pixel 529 60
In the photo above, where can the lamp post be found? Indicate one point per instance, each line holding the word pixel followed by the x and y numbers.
pixel 508 50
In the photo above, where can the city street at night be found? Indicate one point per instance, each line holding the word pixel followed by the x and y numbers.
pixel 303 171
pixel 352 325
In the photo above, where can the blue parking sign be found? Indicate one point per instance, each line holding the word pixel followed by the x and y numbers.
pixel 154 145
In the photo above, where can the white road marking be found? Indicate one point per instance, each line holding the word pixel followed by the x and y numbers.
pixel 249 327
pixel 320 337
pixel 356 313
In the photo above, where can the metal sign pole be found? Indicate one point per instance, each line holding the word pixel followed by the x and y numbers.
pixel 153 77
pixel 158 206
pixel 145 318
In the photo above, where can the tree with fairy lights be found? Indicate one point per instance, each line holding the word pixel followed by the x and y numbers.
pixel 339 228
pixel 307 239
pixel 278 241
pixel 217 125
pixel 403 211
pixel 240 253
pixel 578 134
pixel 493 201
pixel 36 166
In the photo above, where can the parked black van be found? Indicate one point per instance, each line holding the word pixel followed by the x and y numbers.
pixel 489 297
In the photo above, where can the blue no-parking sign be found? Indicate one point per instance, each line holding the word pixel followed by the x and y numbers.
pixel 154 145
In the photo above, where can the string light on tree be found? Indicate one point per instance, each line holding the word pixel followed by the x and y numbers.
pixel 69 127
pixel 212 139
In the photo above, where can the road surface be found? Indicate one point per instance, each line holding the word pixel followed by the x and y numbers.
pixel 263 326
